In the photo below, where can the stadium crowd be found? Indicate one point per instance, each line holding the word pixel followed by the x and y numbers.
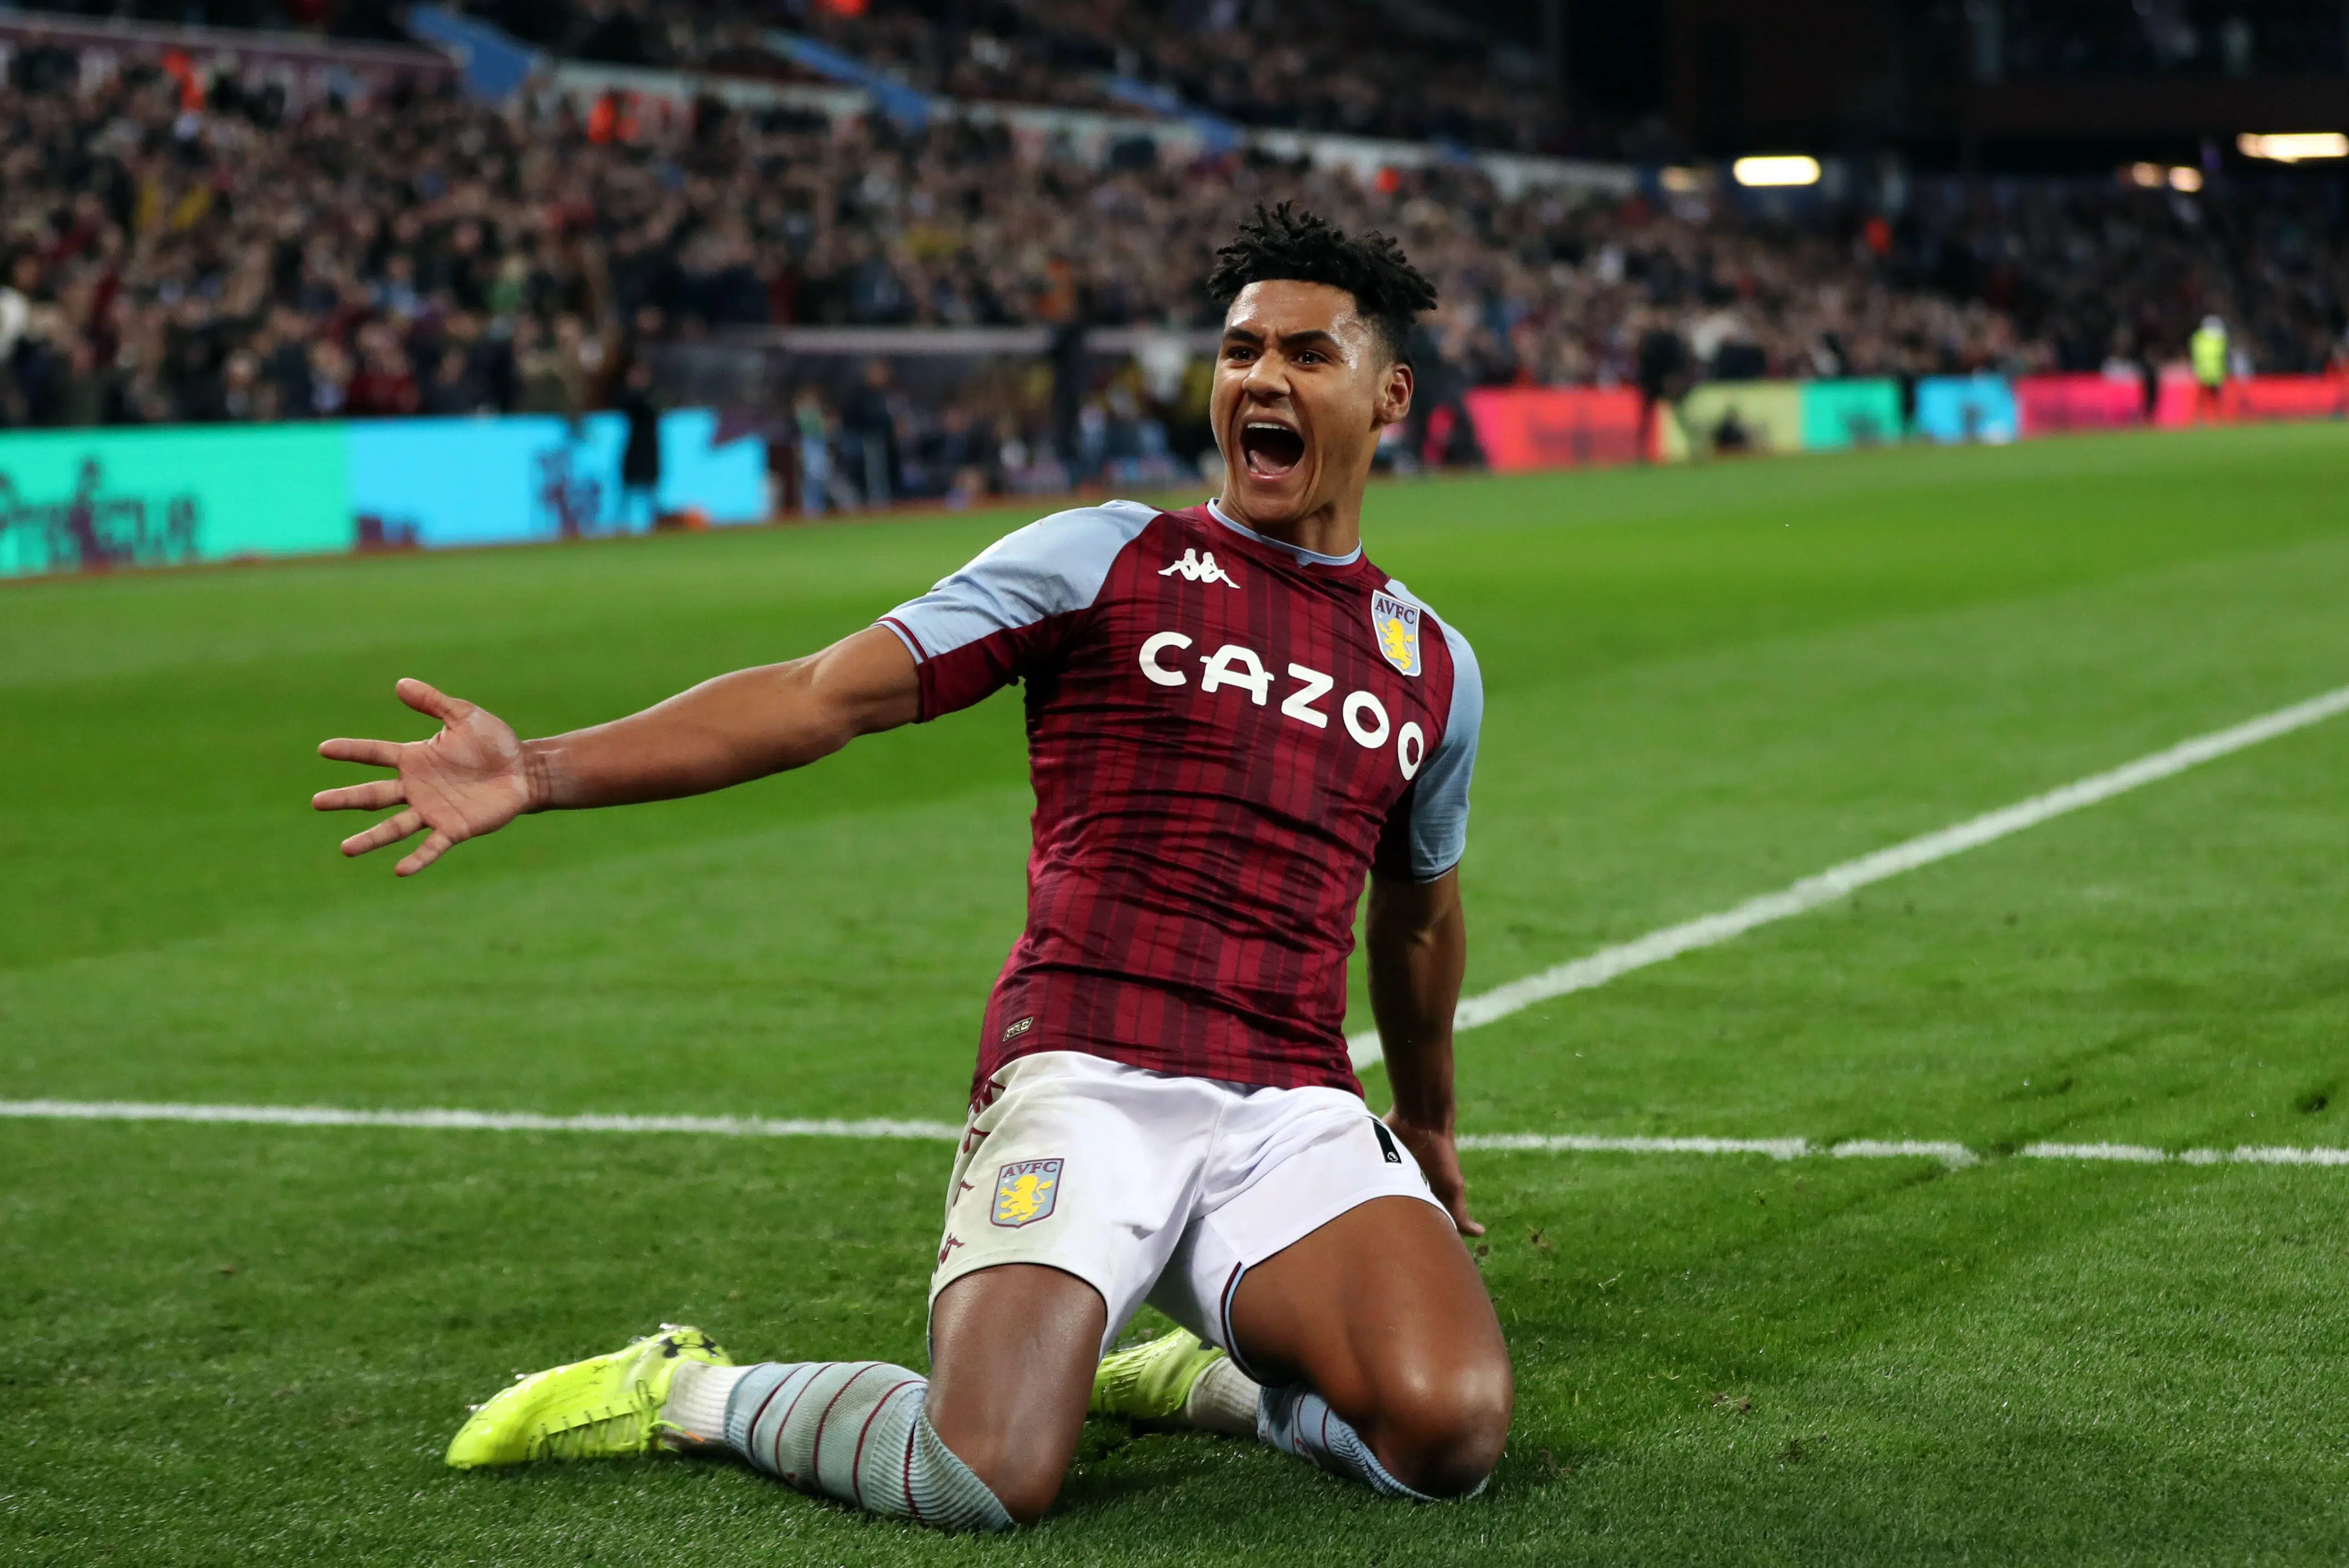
pixel 1340 67
pixel 169 256
pixel 1361 69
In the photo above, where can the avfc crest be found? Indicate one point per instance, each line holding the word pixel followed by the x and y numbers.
pixel 1026 1191
pixel 1395 623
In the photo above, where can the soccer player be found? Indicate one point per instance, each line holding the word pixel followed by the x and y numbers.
pixel 1233 719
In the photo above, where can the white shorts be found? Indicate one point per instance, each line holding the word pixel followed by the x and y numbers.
pixel 1155 1187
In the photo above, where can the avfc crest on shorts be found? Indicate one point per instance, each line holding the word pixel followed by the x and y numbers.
pixel 1395 623
pixel 1025 1192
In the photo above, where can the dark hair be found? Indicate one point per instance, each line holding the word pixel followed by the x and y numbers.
pixel 1298 246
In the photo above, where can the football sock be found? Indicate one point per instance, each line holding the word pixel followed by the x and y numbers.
pixel 1223 1399
pixel 1297 1420
pixel 697 1403
pixel 854 1430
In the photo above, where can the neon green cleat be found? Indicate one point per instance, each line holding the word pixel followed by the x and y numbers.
pixel 1151 1382
pixel 607 1407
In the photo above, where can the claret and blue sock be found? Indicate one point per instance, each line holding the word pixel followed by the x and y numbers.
pixel 855 1430
pixel 1180 1381
pixel 858 1431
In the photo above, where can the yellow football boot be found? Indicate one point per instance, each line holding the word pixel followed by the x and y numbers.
pixel 1151 1381
pixel 608 1407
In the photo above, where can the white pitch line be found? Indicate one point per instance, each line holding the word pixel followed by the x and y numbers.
pixel 2271 1155
pixel 2138 1153
pixel 1950 1154
pixel 2133 1152
pixel 1584 1143
pixel 1835 881
pixel 1955 1155
pixel 470 1120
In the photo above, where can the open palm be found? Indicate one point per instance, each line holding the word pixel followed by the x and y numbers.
pixel 465 781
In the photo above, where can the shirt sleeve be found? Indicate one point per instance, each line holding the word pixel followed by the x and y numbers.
pixel 1007 612
pixel 1430 833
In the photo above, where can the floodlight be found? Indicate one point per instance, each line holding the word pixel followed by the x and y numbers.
pixel 2293 147
pixel 1681 181
pixel 2184 178
pixel 1795 170
pixel 2148 175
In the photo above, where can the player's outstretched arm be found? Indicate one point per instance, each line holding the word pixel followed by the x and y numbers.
pixel 1416 939
pixel 476 774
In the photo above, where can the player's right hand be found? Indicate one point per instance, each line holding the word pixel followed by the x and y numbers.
pixel 1439 1162
pixel 465 781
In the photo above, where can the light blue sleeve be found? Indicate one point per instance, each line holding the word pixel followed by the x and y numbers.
pixel 1439 807
pixel 1053 566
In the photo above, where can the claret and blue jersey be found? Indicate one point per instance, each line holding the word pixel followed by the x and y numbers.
pixel 1226 734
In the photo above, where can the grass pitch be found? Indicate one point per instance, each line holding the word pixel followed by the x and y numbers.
pixel 236 1344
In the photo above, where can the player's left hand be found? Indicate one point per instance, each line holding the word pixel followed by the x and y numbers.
pixel 1439 1162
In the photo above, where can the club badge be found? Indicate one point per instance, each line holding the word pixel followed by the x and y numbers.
pixel 1395 623
pixel 1026 1191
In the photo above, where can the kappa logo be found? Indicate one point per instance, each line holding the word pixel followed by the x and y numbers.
pixel 1015 1028
pixel 1026 1191
pixel 1396 623
pixel 1199 566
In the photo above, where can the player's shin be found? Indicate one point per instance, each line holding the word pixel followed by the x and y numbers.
pixel 855 1430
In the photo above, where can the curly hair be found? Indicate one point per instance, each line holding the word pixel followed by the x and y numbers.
pixel 1282 244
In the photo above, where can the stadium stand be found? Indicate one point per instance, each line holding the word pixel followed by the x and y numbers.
pixel 1350 69
pixel 1385 70
pixel 187 251
pixel 2078 41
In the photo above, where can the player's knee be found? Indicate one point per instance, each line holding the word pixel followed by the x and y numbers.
pixel 1440 1434
pixel 1024 1482
pixel 1029 1498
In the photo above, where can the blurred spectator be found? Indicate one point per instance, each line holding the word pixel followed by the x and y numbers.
pixel 868 425
pixel 955 458
pixel 244 394
pixel 815 428
pixel 383 386
pixel 449 388
pixel 83 389
pixel 2210 366
pixel 640 457
pixel 1666 374
pixel 330 377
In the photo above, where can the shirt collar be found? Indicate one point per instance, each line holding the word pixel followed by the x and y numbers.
pixel 1310 557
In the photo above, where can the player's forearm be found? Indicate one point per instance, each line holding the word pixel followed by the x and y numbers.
pixel 729 730
pixel 1417 944
pixel 723 732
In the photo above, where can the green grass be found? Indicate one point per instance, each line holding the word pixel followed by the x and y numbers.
pixel 238 1344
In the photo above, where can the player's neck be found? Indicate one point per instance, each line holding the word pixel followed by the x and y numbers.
pixel 1332 529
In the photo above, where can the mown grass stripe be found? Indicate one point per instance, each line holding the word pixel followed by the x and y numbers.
pixel 1711 930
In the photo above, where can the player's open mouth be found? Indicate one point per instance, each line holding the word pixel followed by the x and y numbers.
pixel 1270 450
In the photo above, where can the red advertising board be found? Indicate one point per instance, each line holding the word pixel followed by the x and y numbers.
pixel 2180 398
pixel 2051 403
pixel 1525 428
pixel 2286 397
pixel 2258 397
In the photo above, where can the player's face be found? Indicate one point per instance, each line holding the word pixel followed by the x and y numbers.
pixel 1302 389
